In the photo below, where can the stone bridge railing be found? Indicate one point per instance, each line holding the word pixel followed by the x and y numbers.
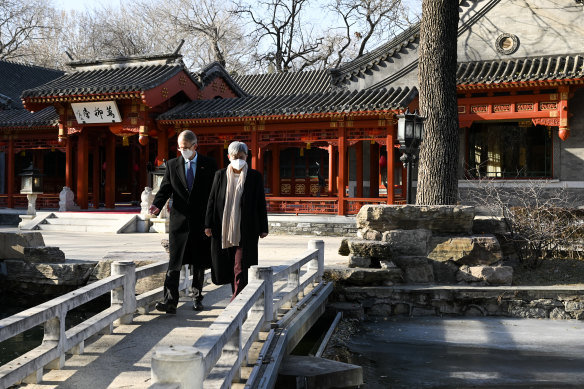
pixel 58 340
pixel 217 356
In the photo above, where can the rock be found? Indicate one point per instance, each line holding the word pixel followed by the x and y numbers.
pixel 546 303
pixel 355 261
pixel 69 274
pixel 471 250
pixel 489 225
pixel 344 248
pixel 573 306
pixel 444 272
pixel 380 310
pixel 363 277
pixel 405 261
pixel 103 268
pixel 445 219
pixel 528 312
pixel 578 315
pixel 492 275
pixel 559 314
pixel 387 265
pixel 464 275
pixel 408 242
pixel 419 274
pixel 44 255
pixel 12 244
pixel 165 244
pixel 370 248
pixel 371 235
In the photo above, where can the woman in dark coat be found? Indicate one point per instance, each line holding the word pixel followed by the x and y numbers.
pixel 236 218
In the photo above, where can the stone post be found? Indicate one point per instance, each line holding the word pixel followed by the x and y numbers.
pixel 317 263
pixel 267 275
pixel 66 198
pixel 125 295
pixel 146 201
pixel 183 365
pixel 55 335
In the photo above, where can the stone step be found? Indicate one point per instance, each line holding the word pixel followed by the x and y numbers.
pixel 76 228
pixel 317 373
pixel 82 222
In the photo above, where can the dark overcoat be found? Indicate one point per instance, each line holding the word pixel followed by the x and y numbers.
pixel 254 221
pixel 188 243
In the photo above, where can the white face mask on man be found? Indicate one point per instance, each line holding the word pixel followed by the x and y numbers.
pixel 187 154
pixel 237 164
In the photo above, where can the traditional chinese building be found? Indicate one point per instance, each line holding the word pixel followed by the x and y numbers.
pixel 326 140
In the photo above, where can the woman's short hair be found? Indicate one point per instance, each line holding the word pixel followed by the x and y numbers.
pixel 189 136
pixel 236 147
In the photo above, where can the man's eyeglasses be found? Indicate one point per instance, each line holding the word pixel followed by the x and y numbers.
pixel 186 148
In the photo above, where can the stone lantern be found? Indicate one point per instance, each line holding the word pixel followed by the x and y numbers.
pixel 31 186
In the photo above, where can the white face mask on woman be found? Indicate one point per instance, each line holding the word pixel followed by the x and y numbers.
pixel 238 164
pixel 187 154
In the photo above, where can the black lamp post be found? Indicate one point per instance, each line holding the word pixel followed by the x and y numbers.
pixel 410 130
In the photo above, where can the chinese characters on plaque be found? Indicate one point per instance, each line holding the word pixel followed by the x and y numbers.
pixel 96 112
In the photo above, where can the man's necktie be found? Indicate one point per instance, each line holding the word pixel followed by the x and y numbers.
pixel 190 176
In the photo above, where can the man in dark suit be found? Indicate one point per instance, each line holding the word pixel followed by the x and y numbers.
pixel 188 179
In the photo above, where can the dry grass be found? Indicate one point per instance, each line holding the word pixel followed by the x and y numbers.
pixel 551 272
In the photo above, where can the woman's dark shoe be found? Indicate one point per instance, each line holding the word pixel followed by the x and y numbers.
pixel 165 307
pixel 198 306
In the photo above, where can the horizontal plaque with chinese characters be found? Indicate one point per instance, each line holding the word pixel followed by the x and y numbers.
pixel 96 112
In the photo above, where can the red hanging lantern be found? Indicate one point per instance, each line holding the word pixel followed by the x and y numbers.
pixel 382 161
pixel 564 133
pixel 143 139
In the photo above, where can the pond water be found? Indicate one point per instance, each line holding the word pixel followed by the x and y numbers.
pixel 469 353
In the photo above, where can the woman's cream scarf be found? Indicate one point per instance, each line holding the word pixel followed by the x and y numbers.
pixel 231 233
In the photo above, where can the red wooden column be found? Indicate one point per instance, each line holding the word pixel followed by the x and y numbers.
pixel 143 179
pixel 162 152
pixel 11 173
pixel 96 185
pixel 390 157
pixel 82 170
pixel 332 176
pixel 374 170
pixel 69 164
pixel 110 171
pixel 276 170
pixel 359 157
pixel 254 149
pixel 342 170
pixel 260 161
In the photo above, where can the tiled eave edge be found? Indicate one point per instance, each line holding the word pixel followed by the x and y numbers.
pixel 80 98
pixel 284 117
pixel 21 127
pixel 520 84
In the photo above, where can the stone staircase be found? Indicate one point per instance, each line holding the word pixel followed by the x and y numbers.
pixel 83 222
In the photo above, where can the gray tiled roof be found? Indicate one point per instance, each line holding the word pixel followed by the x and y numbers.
pixel 290 83
pixel 21 117
pixel 106 80
pixel 17 77
pixel 332 102
pixel 562 67
pixel 214 70
pixel 374 57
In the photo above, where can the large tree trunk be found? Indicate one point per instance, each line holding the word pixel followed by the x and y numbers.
pixel 437 169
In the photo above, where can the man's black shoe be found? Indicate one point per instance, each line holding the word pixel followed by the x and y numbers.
pixel 165 307
pixel 198 306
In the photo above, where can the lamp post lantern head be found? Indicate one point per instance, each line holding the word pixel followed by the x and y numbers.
pixel 31 180
pixel 158 175
pixel 410 129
